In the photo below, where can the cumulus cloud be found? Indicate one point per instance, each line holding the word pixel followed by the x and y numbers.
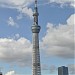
pixel 19 5
pixel 16 36
pixel 11 73
pixel 20 16
pixel 15 3
pixel 70 2
pixel 25 11
pixel 22 6
pixel 11 22
pixel 59 40
pixel 16 51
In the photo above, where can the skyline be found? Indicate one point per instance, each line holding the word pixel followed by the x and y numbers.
pixel 56 19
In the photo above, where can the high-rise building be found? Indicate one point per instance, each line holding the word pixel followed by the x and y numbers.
pixel 62 70
pixel 0 73
pixel 36 70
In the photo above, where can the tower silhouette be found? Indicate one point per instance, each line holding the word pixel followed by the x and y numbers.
pixel 36 69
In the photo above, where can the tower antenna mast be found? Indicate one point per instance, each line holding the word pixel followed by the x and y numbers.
pixel 35 14
pixel 35 3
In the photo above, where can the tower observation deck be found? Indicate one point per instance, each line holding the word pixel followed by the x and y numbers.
pixel 36 69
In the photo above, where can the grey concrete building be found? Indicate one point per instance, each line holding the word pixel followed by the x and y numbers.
pixel 36 70
pixel 62 70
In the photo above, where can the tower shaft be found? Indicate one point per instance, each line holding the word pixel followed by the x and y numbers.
pixel 36 54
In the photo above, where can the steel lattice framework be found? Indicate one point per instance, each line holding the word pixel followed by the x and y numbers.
pixel 36 69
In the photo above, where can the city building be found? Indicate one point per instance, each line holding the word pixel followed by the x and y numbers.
pixel 36 69
pixel 62 70
pixel 0 73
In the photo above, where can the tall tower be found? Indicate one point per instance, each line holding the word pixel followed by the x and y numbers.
pixel 36 54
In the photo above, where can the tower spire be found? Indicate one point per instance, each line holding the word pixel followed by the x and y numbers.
pixel 35 14
pixel 35 3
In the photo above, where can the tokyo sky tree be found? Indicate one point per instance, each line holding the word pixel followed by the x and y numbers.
pixel 36 69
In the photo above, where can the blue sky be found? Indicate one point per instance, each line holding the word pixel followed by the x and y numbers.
pixel 56 18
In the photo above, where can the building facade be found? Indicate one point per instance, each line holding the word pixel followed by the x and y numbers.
pixel 62 70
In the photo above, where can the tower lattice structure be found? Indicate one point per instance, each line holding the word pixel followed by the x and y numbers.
pixel 36 69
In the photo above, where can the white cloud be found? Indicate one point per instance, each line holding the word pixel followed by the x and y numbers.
pixel 20 5
pixel 62 1
pixel 17 36
pixel 26 11
pixel 71 20
pixel 15 3
pixel 16 51
pixel 11 73
pixel 59 41
pixel 11 22
pixel 20 16
pixel 70 2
